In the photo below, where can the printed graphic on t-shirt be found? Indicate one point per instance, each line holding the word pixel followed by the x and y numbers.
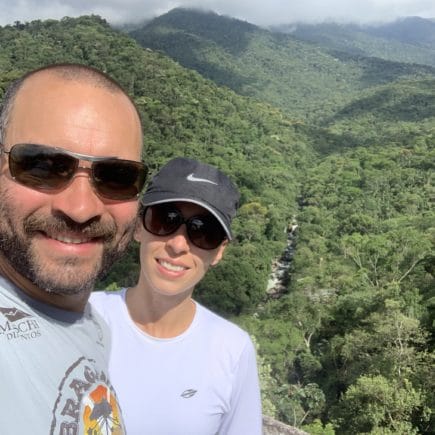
pixel 16 324
pixel 101 413
pixel 86 403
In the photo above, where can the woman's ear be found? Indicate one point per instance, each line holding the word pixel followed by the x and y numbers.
pixel 138 229
pixel 219 253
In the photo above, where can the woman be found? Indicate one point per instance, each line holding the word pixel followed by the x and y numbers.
pixel 177 367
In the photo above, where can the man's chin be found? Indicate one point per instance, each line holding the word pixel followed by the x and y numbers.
pixel 65 288
pixel 70 275
pixel 66 280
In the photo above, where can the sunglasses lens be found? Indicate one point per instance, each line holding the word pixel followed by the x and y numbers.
pixel 44 167
pixel 41 167
pixel 205 232
pixel 118 179
pixel 162 220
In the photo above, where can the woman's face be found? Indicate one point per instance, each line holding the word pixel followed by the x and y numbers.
pixel 172 265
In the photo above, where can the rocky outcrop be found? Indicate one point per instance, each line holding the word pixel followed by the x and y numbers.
pixel 278 281
pixel 274 427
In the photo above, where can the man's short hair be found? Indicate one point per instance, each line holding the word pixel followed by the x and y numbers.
pixel 67 71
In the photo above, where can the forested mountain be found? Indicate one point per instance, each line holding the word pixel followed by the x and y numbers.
pixel 410 40
pixel 184 114
pixel 342 145
pixel 305 80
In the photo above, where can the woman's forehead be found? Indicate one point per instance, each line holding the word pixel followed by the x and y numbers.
pixel 190 208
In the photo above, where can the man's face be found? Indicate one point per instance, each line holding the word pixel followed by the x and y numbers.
pixel 62 240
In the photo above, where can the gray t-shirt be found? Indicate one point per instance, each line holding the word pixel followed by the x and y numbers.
pixel 53 369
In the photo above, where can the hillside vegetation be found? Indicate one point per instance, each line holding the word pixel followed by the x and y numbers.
pixel 304 80
pixel 341 143
pixel 357 324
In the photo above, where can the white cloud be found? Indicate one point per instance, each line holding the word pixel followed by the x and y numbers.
pixel 255 11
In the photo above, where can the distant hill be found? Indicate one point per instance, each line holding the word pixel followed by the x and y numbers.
pixel 401 113
pixel 410 30
pixel 306 80
pixel 410 40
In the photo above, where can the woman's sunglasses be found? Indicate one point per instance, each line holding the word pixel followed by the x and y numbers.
pixel 50 168
pixel 204 231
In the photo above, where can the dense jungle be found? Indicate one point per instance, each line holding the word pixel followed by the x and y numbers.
pixel 329 132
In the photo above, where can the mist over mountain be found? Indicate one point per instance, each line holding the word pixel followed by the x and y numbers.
pixel 409 40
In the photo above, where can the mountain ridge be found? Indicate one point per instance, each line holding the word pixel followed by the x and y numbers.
pixel 408 40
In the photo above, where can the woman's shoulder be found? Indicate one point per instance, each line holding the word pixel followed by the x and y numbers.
pixel 228 342
pixel 219 326
pixel 104 301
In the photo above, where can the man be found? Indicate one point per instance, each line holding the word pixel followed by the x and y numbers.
pixel 70 175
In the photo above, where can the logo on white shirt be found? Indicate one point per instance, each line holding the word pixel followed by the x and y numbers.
pixel 187 394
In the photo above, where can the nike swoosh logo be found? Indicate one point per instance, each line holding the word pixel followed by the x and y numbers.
pixel 191 177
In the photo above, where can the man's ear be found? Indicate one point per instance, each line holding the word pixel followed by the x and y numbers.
pixel 219 253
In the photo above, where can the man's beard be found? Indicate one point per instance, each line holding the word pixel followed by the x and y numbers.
pixel 67 277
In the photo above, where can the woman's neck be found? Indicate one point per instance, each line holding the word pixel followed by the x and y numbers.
pixel 159 315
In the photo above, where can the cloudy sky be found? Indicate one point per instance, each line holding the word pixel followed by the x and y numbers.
pixel 260 12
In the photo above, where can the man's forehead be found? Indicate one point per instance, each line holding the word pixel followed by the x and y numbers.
pixel 49 82
pixel 47 93
pixel 53 110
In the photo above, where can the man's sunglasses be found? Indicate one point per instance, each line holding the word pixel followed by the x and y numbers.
pixel 44 167
pixel 204 231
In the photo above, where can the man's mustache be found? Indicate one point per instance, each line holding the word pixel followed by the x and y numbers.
pixel 64 224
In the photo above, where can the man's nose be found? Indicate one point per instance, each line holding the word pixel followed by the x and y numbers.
pixel 78 200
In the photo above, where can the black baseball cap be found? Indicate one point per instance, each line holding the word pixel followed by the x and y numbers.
pixel 187 180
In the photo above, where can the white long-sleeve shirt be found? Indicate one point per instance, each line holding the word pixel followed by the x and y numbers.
pixel 202 382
